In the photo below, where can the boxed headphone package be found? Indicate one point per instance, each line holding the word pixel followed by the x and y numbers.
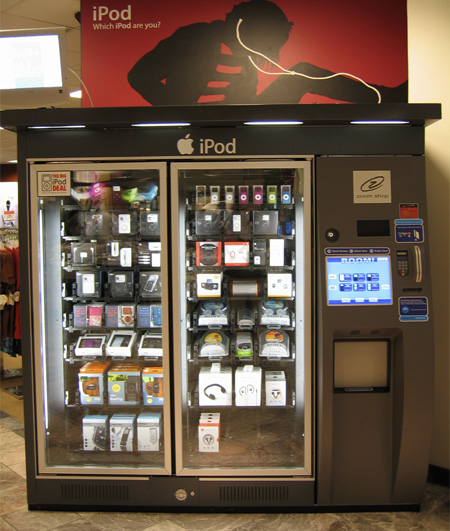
pixel 215 386
pixel 244 345
pixel 247 386
pixel 209 432
pixel 124 385
pixel 91 382
pixel 148 432
pixel 209 284
pixel 212 313
pixel 121 284
pixel 95 430
pixel 274 313
pixel 274 343
pixel 121 432
pixel 275 388
pixel 152 386
pixel 214 344
pixel 208 254
pixel 150 284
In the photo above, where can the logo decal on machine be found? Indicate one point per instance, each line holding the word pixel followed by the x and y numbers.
pixel 53 183
pixel 372 186
pixel 207 146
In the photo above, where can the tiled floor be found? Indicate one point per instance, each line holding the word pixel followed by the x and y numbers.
pixel 14 513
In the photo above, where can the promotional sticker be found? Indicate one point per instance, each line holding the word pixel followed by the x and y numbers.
pixel 413 309
pixel 409 231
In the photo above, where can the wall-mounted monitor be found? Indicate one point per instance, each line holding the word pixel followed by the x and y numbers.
pixel 33 68
pixel 358 280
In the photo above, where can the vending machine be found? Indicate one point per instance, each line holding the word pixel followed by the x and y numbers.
pixel 221 316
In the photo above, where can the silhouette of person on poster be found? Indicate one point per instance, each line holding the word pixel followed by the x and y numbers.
pixel 218 62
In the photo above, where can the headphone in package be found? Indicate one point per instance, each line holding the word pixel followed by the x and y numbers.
pixel 210 395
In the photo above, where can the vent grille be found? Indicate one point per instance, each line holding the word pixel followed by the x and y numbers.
pixel 254 494
pixel 97 493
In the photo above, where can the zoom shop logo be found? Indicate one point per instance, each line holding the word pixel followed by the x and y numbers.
pixel 372 184
pixel 207 146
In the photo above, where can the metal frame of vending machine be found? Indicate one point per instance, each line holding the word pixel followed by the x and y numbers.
pixel 222 315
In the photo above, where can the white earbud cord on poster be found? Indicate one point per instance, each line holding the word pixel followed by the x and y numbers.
pixel 285 72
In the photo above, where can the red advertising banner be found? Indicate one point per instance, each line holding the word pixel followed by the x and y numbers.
pixel 137 53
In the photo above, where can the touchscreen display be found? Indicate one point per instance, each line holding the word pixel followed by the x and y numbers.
pixel 358 280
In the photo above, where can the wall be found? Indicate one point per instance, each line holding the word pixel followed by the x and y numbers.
pixel 429 82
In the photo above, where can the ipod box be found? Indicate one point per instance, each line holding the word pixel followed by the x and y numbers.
pixel 121 432
pixel 247 385
pixel 95 429
pixel 124 385
pixel 148 432
pixel 275 388
pixel 215 386
pixel 209 432
pixel 91 382
pixel 152 386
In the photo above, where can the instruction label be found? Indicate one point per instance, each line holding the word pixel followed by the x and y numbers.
pixel 413 309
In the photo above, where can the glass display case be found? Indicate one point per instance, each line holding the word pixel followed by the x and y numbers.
pixel 242 354
pixel 101 305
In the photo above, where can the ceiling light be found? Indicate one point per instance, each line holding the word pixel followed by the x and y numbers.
pixel 164 124
pixel 379 122
pixel 275 122
pixel 57 127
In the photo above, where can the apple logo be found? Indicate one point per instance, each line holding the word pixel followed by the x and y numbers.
pixel 185 146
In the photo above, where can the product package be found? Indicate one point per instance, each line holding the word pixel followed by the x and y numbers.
pixel 215 386
pixel 247 385
pixel 91 382
pixel 148 432
pixel 152 386
pixel 209 432
pixel 124 384
pixel 95 430
pixel 275 388
pixel 121 432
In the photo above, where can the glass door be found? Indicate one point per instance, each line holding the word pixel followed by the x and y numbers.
pixel 242 352
pixel 100 305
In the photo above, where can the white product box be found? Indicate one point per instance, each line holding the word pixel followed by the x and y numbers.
pixel 121 432
pixel 209 284
pixel 275 388
pixel 279 285
pixel 215 386
pixel 95 432
pixel 276 253
pixel 247 385
pixel 148 432
pixel 209 433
